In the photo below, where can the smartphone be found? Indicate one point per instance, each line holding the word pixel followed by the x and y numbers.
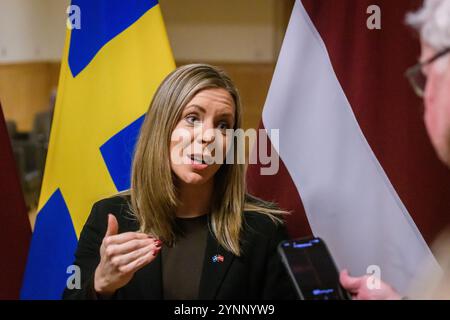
pixel 312 270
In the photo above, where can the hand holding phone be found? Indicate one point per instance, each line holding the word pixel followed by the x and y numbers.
pixel 312 269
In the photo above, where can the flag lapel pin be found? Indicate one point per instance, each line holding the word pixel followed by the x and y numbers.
pixel 217 258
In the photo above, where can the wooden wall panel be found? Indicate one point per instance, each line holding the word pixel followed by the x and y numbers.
pixel 25 90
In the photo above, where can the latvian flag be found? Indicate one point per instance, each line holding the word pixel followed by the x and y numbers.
pixel 356 166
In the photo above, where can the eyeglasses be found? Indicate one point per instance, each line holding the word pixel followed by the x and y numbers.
pixel 417 78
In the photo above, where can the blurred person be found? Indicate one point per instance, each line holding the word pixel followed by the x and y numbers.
pixel 43 120
pixel 430 79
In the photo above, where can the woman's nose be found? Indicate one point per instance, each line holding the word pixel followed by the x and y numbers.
pixel 209 136
pixel 206 134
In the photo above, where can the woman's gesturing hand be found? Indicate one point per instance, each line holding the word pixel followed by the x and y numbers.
pixel 121 255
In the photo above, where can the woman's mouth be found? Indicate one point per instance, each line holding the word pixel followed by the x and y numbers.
pixel 198 162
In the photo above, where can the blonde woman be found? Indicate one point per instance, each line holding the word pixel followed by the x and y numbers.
pixel 186 229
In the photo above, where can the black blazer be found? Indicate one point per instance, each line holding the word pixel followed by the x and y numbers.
pixel 256 274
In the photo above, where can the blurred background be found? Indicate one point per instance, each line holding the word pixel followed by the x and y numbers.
pixel 243 37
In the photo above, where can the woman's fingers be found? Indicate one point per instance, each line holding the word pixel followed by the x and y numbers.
pixel 125 259
pixel 140 262
pixel 124 237
pixel 127 247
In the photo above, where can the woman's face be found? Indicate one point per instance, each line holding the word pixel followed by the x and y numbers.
pixel 199 142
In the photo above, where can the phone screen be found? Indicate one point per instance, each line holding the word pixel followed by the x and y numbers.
pixel 312 269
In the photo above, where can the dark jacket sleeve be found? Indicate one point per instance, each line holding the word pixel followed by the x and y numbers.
pixel 87 255
pixel 277 285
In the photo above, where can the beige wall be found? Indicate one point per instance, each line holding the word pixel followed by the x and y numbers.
pixel 32 30
pixel 217 30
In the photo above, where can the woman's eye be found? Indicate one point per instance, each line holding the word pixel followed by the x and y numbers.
pixel 191 119
pixel 223 126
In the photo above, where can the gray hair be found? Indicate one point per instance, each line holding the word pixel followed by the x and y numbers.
pixel 433 23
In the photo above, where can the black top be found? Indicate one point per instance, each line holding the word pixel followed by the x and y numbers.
pixel 256 274
pixel 182 263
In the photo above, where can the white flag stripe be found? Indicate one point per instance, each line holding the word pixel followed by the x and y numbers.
pixel 348 199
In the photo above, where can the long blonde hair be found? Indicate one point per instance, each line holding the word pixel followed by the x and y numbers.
pixel 153 193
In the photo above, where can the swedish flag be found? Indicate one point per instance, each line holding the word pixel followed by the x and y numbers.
pixel 110 69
